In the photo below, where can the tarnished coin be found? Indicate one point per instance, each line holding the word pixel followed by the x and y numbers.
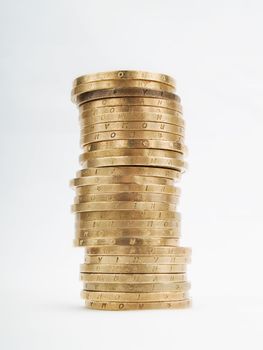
pixel 121 306
pixel 132 277
pixel 125 75
pixel 133 297
pixel 110 224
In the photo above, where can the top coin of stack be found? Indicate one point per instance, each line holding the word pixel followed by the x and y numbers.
pixel 132 136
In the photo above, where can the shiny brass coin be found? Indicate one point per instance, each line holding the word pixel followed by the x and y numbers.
pixel 88 118
pixel 132 278
pixel 124 84
pixel 137 144
pixel 121 250
pixel 122 92
pixel 132 101
pixel 121 205
pixel 85 215
pixel 121 306
pixel 125 152
pixel 137 288
pixel 103 180
pixel 112 188
pixel 117 233
pixel 95 268
pixel 126 196
pixel 133 241
pixel 133 297
pixel 138 171
pixel 135 259
pixel 105 114
pixel 128 223
pixel 170 163
pixel 125 75
pixel 130 135
pixel 144 144
pixel 131 126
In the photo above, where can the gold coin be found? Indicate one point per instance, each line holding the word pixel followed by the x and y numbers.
pixel 133 241
pixel 138 171
pixel 126 196
pixel 112 188
pixel 132 101
pixel 131 126
pixel 111 84
pixel 125 75
pixel 135 259
pixel 115 306
pixel 95 268
pixel 99 214
pixel 127 135
pixel 170 163
pixel 103 180
pixel 144 144
pixel 132 278
pixel 133 297
pixel 139 114
pixel 116 233
pixel 112 224
pixel 121 205
pixel 122 92
pixel 137 287
pixel 127 152
pixel 120 250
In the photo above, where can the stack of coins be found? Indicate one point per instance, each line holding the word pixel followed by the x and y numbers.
pixel 132 137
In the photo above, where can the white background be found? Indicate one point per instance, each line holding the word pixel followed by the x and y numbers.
pixel 214 50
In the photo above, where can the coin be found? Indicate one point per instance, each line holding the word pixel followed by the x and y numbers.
pixel 110 224
pixel 112 188
pixel 82 233
pixel 132 101
pixel 115 306
pixel 130 135
pixel 126 196
pixel 132 278
pixel 134 241
pixel 131 126
pixel 170 163
pixel 125 112
pixel 125 75
pixel 135 259
pixel 137 287
pixel 121 205
pixel 133 297
pixel 142 171
pixel 122 92
pixel 97 268
pixel 144 144
pixel 86 214
pixel 121 250
pixel 87 118
pixel 111 84
pixel 103 180
pixel 130 153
